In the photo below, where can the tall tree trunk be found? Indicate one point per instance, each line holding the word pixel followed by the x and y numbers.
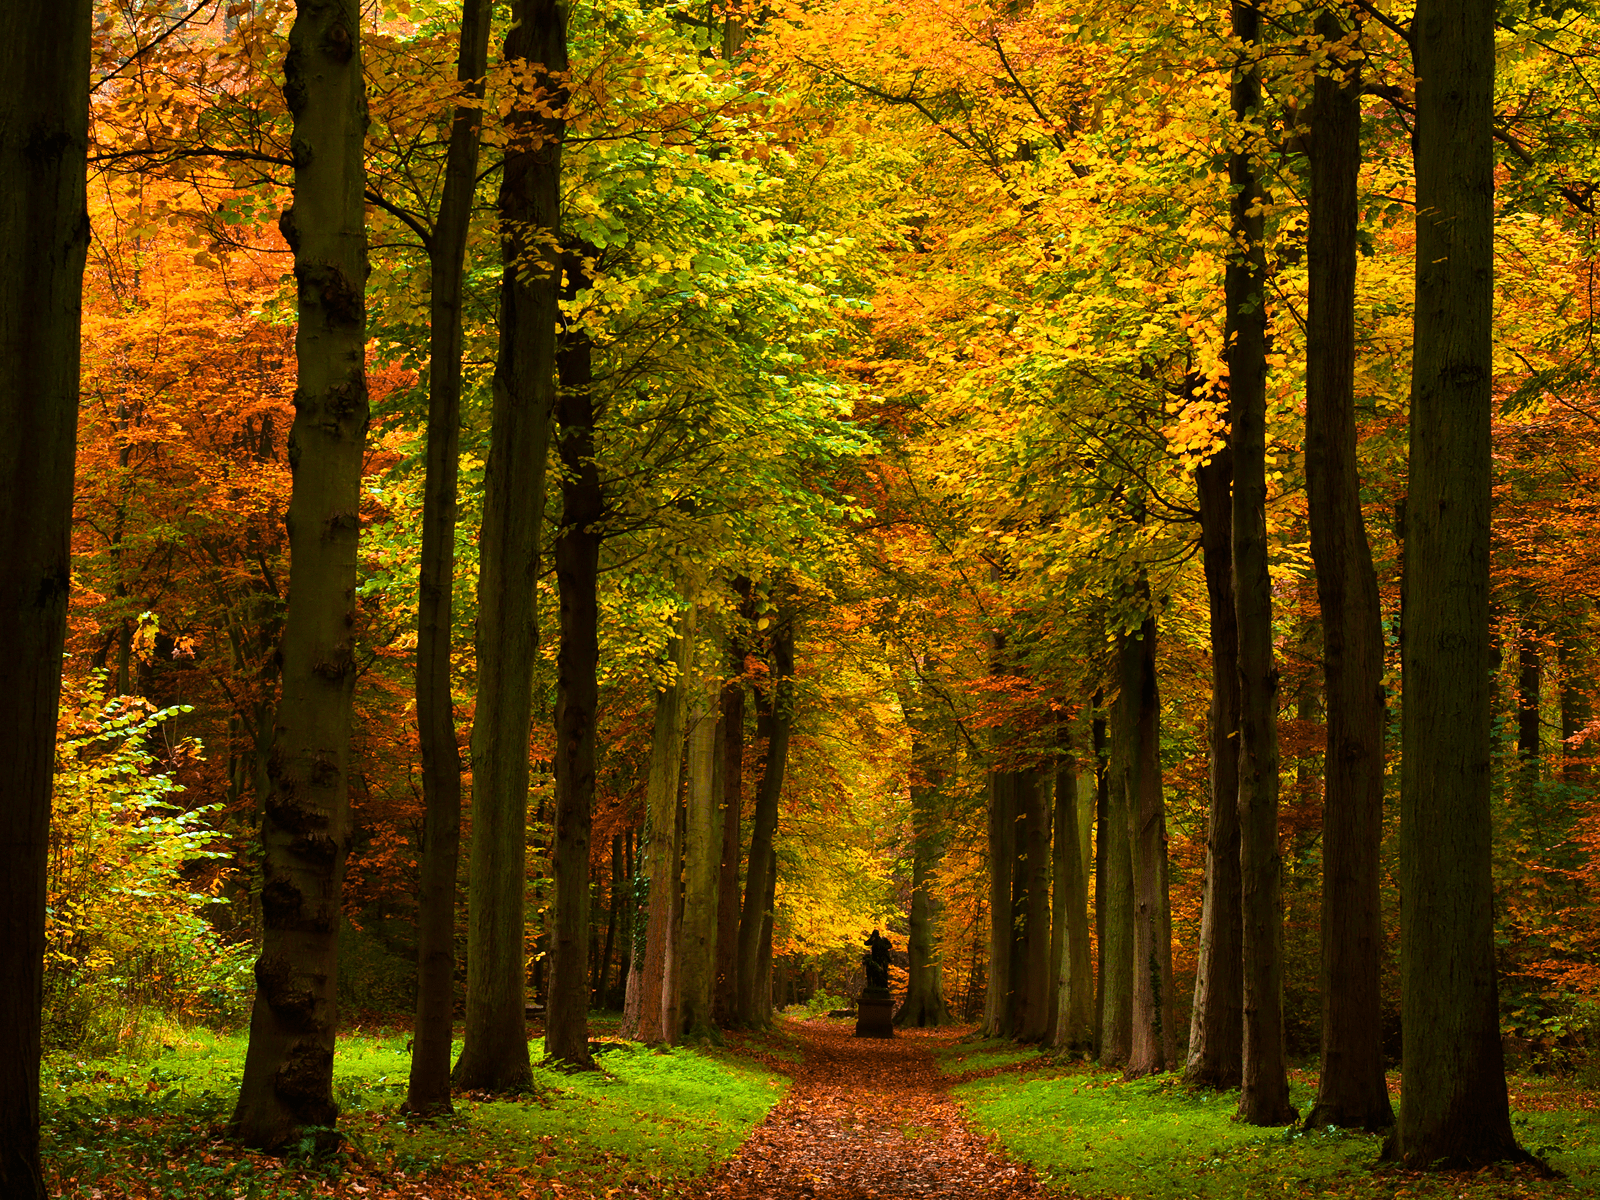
pixel 1073 1028
pixel 1351 1092
pixel 288 1069
pixel 1102 861
pixel 44 236
pixel 494 1052
pixel 1264 1097
pixel 1116 920
pixel 1216 1027
pixel 428 1090
pixel 602 969
pixel 661 819
pixel 775 715
pixel 702 846
pixel 1576 710
pixel 577 563
pixel 924 1004
pixel 726 1001
pixel 1453 1108
pixel 1154 1043
pixel 1036 996
pixel 1002 866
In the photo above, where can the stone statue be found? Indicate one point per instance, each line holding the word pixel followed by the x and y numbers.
pixel 875 1009
pixel 877 961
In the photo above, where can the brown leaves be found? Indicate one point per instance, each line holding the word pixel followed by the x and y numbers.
pixel 866 1119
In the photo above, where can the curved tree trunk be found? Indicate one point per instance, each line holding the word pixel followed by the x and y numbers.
pixel 494 1052
pixel 428 1090
pixel 288 1069
pixel 577 563
pixel 1264 1097
pixel 44 235
pixel 1453 1108
pixel 1154 1043
pixel 1352 1092
pixel 1216 1027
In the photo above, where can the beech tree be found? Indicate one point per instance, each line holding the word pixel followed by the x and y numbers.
pixel 1453 1106
pixel 44 238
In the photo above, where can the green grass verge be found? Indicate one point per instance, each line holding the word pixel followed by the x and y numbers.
pixel 1086 1131
pixel 647 1119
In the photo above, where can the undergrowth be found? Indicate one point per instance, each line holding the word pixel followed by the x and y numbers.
pixel 644 1123
pixel 1087 1132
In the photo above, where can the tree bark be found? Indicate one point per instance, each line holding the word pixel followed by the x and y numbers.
pixel 1073 1028
pixel 428 1089
pixel 725 1002
pixel 1264 1097
pixel 702 848
pixel 602 969
pixel 775 712
pixel 577 563
pixel 1530 679
pixel 288 1070
pixel 1216 1028
pixel 1154 1043
pixel 661 819
pixel 1102 860
pixel 494 1053
pixel 44 237
pixel 1576 710
pixel 1352 1092
pixel 1453 1107
pixel 1036 1005
pixel 1116 922
pixel 1002 866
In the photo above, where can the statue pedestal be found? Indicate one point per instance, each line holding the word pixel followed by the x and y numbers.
pixel 875 1013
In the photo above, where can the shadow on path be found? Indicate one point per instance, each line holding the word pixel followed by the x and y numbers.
pixel 868 1119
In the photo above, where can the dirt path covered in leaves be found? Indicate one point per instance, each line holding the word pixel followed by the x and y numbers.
pixel 868 1119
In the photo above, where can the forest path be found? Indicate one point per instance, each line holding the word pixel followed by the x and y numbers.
pixel 868 1119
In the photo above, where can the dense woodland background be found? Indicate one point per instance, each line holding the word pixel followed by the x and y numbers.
pixel 893 346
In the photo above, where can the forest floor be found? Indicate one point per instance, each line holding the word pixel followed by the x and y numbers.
pixel 805 1111
pixel 868 1119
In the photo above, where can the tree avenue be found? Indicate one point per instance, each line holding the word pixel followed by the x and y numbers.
pixel 1100 494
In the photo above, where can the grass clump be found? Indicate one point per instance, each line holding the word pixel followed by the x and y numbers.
pixel 1087 1131
pixel 648 1120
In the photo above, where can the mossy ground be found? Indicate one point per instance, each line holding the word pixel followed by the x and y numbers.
pixel 1087 1132
pixel 647 1120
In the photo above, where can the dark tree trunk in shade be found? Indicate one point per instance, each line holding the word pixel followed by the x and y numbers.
pixel 1264 1096
pixel 1530 681
pixel 1002 865
pixel 1116 918
pixel 602 969
pixel 725 1002
pixel 1102 886
pixel 924 1002
pixel 1576 710
pixel 1058 875
pixel 775 717
pixel 1352 1092
pixel 1154 1041
pixel 1034 800
pixel 1073 1028
pixel 1021 782
pixel 661 816
pixel 428 1089
pixel 702 838
pixel 288 1070
pixel 1453 1106
pixel 494 1053
pixel 44 236
pixel 1216 1027
pixel 577 566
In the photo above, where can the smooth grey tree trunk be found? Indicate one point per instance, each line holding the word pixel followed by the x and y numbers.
pixel 44 237
pixel 288 1069
pixel 428 1088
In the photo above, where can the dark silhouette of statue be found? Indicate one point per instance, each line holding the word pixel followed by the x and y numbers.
pixel 877 960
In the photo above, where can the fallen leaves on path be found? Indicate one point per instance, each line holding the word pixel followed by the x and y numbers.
pixel 868 1119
